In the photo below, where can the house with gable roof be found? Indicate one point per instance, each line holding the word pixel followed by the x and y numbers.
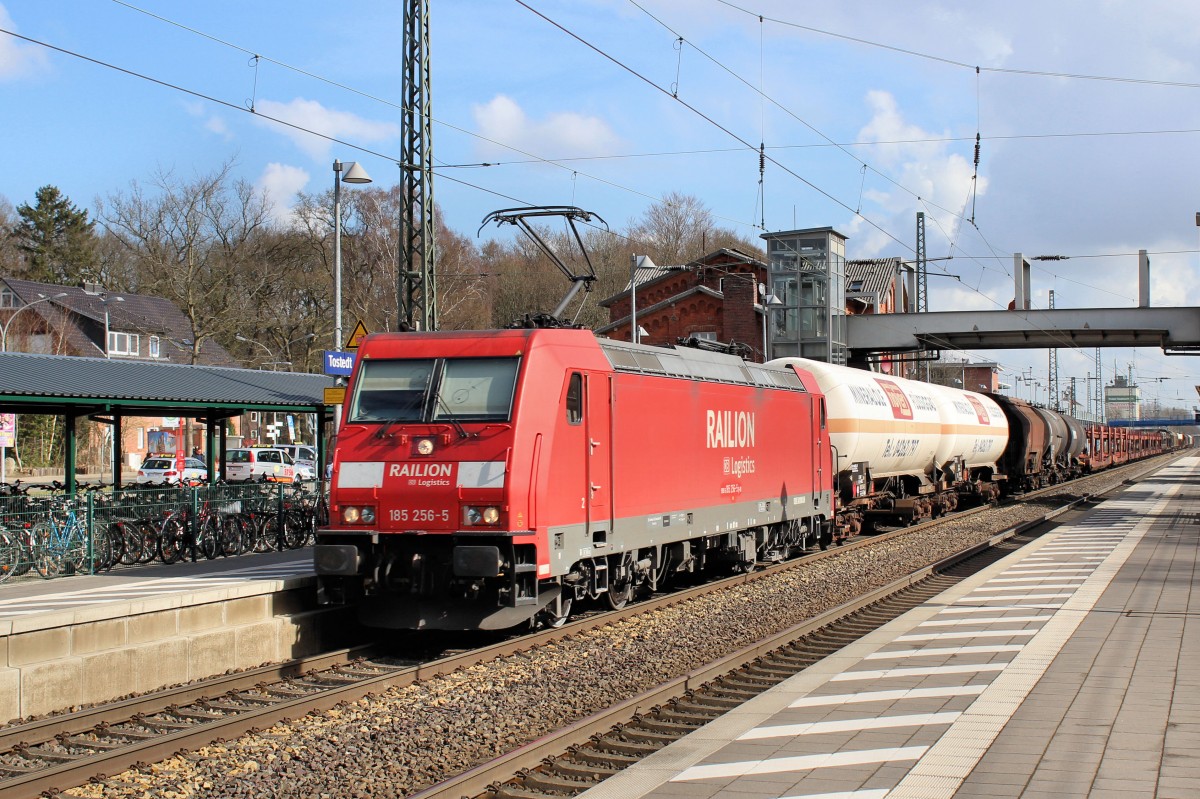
pixel 90 322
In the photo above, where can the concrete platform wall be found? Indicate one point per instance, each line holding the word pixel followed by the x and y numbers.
pixel 62 665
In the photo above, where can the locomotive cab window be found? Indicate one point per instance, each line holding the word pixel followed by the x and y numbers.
pixel 575 399
pixel 476 389
pixel 424 390
pixel 392 391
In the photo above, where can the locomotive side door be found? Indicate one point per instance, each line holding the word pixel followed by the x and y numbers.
pixel 818 453
pixel 597 422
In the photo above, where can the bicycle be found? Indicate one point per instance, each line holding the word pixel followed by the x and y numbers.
pixel 63 547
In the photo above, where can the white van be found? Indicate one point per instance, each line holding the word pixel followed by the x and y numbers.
pixel 304 456
pixel 260 463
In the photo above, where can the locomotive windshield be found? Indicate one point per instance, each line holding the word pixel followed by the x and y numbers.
pixel 434 390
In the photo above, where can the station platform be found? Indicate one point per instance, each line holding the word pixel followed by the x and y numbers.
pixel 1064 670
pixel 92 638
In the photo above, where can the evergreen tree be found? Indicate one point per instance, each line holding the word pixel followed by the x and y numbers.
pixel 57 239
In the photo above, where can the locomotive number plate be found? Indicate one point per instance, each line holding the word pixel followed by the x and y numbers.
pixel 418 515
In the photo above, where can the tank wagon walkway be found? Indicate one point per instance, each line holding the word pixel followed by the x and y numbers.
pixel 1064 670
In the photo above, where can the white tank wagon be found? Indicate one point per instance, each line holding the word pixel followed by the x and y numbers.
pixel 906 450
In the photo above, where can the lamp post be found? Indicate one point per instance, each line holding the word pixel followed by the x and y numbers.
pixel 4 326
pixel 769 301
pixel 636 262
pixel 354 174
pixel 268 350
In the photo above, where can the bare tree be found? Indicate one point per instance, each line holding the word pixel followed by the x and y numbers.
pixel 204 244
pixel 680 229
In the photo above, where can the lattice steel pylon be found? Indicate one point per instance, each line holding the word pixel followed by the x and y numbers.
pixel 416 288
pixel 922 267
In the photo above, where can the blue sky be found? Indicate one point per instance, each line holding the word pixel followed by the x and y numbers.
pixel 1070 164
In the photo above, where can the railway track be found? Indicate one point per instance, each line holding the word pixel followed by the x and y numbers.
pixel 586 753
pixel 68 750
pixel 583 755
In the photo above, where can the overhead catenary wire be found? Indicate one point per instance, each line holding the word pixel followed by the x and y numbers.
pixel 298 127
pixel 962 64
pixel 620 64
pixel 256 57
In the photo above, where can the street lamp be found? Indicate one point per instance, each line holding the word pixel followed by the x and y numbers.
pixel 269 351
pixel 4 327
pixel 354 174
pixel 769 301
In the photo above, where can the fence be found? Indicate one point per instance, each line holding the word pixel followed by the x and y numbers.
pixel 52 535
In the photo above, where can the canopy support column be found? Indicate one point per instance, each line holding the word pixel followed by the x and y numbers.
pixel 117 455
pixel 210 444
pixel 71 447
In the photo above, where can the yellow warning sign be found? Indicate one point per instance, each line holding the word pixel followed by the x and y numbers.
pixel 335 395
pixel 356 337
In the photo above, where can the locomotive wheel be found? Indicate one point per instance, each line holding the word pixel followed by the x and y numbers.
pixel 619 595
pixel 556 613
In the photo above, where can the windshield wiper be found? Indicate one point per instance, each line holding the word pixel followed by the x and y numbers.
pixel 386 426
pixel 451 418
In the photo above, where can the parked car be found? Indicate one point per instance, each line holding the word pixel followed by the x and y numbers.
pixel 305 458
pixel 260 463
pixel 162 470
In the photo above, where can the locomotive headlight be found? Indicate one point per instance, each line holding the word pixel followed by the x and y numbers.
pixel 358 514
pixel 425 446
pixel 473 515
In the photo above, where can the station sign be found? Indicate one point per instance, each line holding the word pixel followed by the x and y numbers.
pixel 338 363
pixel 335 395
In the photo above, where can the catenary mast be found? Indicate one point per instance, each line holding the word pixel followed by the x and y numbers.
pixel 416 288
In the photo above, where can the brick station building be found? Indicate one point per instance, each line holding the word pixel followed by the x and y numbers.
pixel 720 297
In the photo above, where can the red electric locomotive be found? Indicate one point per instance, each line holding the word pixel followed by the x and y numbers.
pixel 486 479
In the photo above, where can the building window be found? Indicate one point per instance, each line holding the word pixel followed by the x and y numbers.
pixel 705 335
pixel 8 299
pixel 154 346
pixel 855 285
pixel 123 343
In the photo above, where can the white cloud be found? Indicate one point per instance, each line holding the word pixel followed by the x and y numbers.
pixel 940 179
pixel 312 116
pixel 18 58
pixel 213 123
pixel 281 183
pixel 560 134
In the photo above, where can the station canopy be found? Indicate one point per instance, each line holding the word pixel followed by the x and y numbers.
pixel 64 385
pixel 108 390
